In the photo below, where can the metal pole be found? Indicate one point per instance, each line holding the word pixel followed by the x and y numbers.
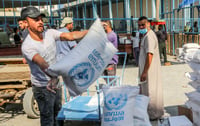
pixel 157 12
pixel 14 12
pixel 101 8
pixel 117 8
pixel 167 9
pixel 127 14
pixel 84 15
pixel 110 11
pixel 4 15
pixel 135 9
pixel 157 9
pixel 147 8
pixel 76 9
pixel 94 9
pixel 58 21
pixel 173 26
pixel 153 9
pixel 141 5
pixel 51 15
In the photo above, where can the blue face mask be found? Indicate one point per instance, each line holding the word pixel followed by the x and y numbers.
pixel 143 31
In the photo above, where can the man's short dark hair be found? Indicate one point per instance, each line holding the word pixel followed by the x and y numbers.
pixel 20 19
pixel 143 18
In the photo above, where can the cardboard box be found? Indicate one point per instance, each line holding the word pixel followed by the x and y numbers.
pixel 183 110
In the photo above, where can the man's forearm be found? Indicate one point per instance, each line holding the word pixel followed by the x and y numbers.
pixel 70 36
pixel 43 65
pixel 148 62
pixel 79 35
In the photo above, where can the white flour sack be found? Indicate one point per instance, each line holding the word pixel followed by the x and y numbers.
pixel 118 105
pixel 191 45
pixel 194 66
pixel 86 62
pixel 140 116
pixel 194 97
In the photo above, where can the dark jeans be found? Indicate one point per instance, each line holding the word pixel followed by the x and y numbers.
pixel 162 50
pixel 49 105
pixel 110 71
pixel 136 54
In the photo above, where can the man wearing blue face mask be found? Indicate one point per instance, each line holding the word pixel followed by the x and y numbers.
pixel 149 69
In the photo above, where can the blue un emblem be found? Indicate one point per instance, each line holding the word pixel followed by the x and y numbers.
pixel 82 74
pixel 115 101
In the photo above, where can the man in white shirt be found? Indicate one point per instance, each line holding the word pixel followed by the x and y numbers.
pixel 39 49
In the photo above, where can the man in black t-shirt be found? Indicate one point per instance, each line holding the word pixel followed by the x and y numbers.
pixel 17 37
pixel 162 37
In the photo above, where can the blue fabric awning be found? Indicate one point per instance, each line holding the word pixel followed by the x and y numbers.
pixel 187 2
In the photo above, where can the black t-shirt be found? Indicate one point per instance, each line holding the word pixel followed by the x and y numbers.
pixel 17 39
pixel 161 35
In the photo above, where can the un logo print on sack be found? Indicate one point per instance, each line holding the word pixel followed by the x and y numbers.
pixel 82 74
pixel 116 102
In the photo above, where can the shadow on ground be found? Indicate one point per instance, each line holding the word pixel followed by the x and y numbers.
pixel 172 110
pixel 9 111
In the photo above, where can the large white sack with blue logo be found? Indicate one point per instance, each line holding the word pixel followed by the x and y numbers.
pixel 87 61
pixel 118 105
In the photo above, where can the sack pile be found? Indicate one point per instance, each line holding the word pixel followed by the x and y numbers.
pixel 186 53
pixel 193 60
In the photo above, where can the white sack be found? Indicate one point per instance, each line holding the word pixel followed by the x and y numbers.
pixel 194 66
pixel 196 118
pixel 195 85
pixel 195 112
pixel 186 57
pixel 196 57
pixel 192 75
pixel 190 50
pixel 194 97
pixel 140 115
pixel 192 105
pixel 191 45
pixel 118 105
pixel 85 63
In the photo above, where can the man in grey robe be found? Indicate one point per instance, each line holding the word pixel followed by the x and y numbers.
pixel 150 68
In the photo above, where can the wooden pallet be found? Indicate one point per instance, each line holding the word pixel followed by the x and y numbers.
pixel 14 72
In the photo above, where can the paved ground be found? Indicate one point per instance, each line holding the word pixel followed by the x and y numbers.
pixel 174 83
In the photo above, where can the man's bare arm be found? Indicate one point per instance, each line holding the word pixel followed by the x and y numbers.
pixel 40 62
pixel 52 84
pixel 70 36
pixel 146 67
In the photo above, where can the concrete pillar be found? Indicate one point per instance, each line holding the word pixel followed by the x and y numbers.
pixel 153 9
pixel 157 9
pixel 157 13
pixel 127 11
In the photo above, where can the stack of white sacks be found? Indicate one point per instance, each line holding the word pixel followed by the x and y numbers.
pixel 191 55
